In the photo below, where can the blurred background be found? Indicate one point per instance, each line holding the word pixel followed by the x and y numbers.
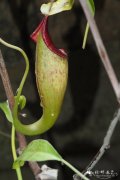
pixel 89 103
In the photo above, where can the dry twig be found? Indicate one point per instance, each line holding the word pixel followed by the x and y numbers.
pixel 113 79
pixel 104 147
pixel 10 96
pixel 101 49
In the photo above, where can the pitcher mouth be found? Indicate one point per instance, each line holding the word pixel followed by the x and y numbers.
pixel 43 28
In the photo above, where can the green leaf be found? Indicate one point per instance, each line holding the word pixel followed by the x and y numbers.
pixel 42 150
pixel 91 6
pixel 22 102
pixel 56 7
pixel 4 106
pixel 37 150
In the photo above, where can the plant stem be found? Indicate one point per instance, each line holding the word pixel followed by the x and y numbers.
pixel 10 96
pixel 74 169
pixel 101 49
pixel 5 134
pixel 113 79
pixel 85 36
pixel 5 79
pixel 106 142
pixel 18 170
pixel 26 61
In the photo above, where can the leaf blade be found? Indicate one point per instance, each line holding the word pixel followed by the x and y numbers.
pixel 22 102
pixel 4 106
pixel 56 7
pixel 38 150
pixel 91 6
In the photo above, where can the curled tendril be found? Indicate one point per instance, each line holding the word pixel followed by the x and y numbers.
pixel 19 90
